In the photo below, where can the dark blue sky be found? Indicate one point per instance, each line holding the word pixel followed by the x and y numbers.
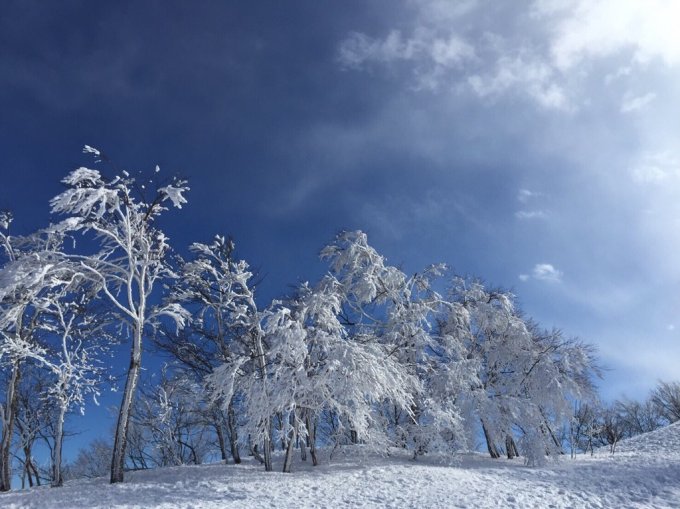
pixel 533 144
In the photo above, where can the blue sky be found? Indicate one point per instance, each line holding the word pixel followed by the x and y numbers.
pixel 534 144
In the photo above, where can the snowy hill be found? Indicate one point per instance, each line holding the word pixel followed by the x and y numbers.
pixel 645 473
pixel 663 441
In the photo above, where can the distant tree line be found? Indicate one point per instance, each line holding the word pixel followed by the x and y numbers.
pixel 605 425
pixel 367 355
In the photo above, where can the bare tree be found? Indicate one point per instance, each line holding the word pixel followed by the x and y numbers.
pixel 638 417
pixel 666 398
pixel 92 461
pixel 33 418
pixel 612 428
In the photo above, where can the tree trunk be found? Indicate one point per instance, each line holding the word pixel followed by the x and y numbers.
pixel 267 446
pixel 554 439
pixel 27 467
pixel 220 438
pixel 510 447
pixel 233 433
pixel 36 474
pixel 290 447
pixel 419 447
pixel 57 479
pixel 491 447
pixel 311 437
pixel 256 454
pixel 550 431
pixel 120 442
pixel 30 470
pixel 303 449
pixel 262 368
pixel 8 429
pixel 279 428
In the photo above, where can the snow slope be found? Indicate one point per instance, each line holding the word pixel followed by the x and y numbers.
pixel 645 473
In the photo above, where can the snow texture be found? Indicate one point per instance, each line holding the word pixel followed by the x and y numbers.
pixel 643 474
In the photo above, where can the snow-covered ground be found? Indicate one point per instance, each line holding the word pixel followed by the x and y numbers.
pixel 644 473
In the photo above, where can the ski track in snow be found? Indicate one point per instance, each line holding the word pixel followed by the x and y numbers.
pixel 644 473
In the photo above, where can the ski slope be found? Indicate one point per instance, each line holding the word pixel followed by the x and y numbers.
pixel 644 473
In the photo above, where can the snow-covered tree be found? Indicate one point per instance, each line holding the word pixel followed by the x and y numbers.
pixel 317 362
pixel 73 361
pixel 131 261
pixel 318 367
pixel 8 409
pixel 221 288
pixel 209 288
pixel 169 414
pixel 56 291
pixel 525 378
pixel 404 314
pixel 31 264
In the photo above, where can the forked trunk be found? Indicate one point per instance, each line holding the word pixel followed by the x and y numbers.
pixel 29 468
pixel 511 447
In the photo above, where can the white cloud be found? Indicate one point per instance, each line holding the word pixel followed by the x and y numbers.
pixel 547 59
pixel 648 174
pixel 531 214
pixel 592 163
pixel 543 272
pixel 527 74
pixel 546 272
pixel 621 72
pixel 655 167
pixel 451 51
pixel 432 56
pixel 632 104
pixel 599 29
pixel 524 195
pixel 358 48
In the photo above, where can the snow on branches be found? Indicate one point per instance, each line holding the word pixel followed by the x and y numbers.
pixel 368 354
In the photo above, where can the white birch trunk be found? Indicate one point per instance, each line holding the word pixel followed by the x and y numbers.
pixel 120 442
pixel 57 477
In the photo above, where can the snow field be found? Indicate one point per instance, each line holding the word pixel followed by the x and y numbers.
pixel 645 473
